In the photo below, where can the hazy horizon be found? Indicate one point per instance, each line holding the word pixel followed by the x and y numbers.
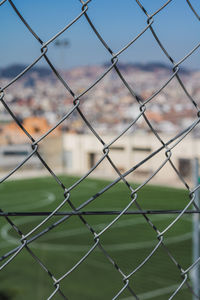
pixel 105 63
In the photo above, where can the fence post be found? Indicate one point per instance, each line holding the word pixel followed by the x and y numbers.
pixel 196 238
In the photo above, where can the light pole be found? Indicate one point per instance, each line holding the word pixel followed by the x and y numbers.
pixel 62 45
pixel 196 237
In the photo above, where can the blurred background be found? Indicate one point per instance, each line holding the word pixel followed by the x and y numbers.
pixel 108 110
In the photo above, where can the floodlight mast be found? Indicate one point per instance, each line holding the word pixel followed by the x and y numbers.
pixel 62 45
pixel 196 237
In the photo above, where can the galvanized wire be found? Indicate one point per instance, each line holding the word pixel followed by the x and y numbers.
pixel 25 240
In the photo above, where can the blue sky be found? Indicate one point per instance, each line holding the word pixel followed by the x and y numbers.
pixel 118 21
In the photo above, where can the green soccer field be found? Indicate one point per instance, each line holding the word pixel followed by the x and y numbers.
pixel 129 241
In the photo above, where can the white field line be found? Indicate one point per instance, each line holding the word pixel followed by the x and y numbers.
pixel 156 293
pixel 48 199
pixel 82 230
pixel 121 224
pixel 117 247
pixel 71 232
pixel 25 204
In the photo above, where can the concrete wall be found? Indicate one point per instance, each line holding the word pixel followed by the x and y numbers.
pixel 127 152
pixel 51 150
pixel 76 154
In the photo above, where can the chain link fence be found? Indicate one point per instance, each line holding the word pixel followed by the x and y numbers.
pixel 42 228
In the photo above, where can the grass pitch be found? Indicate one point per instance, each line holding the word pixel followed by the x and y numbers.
pixel 129 241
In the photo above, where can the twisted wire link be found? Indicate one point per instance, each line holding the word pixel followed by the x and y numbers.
pixel 165 147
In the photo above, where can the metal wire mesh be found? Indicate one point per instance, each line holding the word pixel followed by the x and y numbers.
pixel 167 146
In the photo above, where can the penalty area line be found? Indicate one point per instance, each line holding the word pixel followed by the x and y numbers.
pixel 156 293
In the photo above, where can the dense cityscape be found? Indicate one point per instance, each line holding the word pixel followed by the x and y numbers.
pixel 108 106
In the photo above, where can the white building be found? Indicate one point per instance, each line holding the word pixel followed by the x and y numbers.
pixel 82 152
pixel 78 154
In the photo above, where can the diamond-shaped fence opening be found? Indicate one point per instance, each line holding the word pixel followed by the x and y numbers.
pixel 100 239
